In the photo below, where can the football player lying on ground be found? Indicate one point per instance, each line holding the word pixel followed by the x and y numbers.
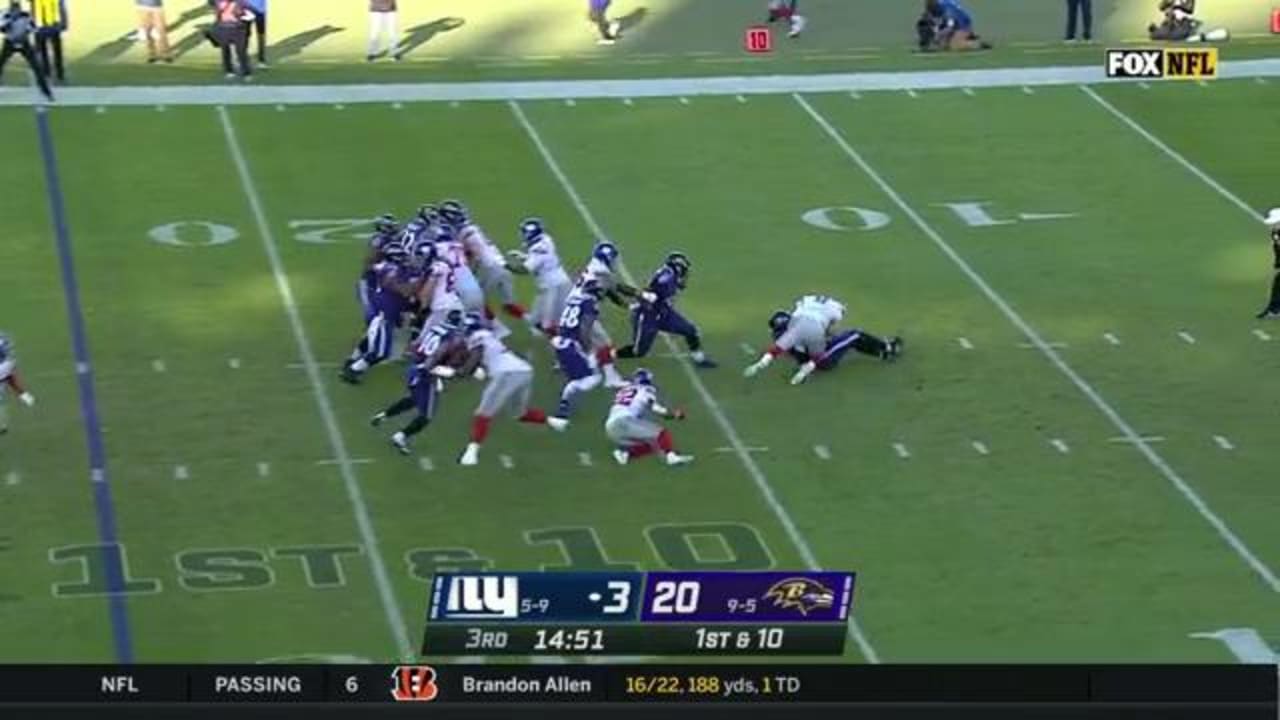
pixel 1180 25
pixel 9 379
pixel 629 427
pixel 431 353
pixel 786 10
pixel 946 25
pixel 837 346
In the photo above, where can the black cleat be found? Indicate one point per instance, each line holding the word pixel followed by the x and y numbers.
pixel 706 363
pixel 894 349
pixel 349 376
pixel 376 420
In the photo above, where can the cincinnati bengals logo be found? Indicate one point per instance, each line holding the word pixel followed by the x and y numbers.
pixel 414 683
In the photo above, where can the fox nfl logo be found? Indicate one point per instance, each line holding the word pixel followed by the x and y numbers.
pixel 414 683
pixel 1168 63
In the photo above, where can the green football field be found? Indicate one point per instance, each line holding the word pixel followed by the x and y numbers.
pixel 1073 461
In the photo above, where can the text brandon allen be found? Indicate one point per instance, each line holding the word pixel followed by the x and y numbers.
pixel 515 685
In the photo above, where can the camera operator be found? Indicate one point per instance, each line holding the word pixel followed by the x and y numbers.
pixel 17 28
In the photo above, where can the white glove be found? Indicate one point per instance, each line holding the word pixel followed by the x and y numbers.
pixel 443 371
pixel 803 373
pixel 648 297
pixel 27 399
pixel 479 374
pixel 757 366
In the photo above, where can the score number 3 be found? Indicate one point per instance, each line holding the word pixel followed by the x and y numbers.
pixel 676 598
pixel 620 598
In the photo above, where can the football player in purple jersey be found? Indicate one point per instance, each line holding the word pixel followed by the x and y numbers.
pixel 656 312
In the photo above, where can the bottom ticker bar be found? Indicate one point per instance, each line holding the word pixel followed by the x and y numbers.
pixel 629 684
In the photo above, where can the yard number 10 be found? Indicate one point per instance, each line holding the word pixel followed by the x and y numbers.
pixel 676 598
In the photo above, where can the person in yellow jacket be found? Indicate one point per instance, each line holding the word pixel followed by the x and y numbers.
pixel 50 17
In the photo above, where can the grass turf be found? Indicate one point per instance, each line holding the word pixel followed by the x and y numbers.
pixel 1025 553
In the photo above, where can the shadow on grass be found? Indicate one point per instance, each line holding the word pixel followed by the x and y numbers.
pixel 110 49
pixel 632 19
pixel 199 11
pixel 416 37
pixel 295 44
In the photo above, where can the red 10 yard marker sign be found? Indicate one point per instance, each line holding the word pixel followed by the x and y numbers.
pixel 758 39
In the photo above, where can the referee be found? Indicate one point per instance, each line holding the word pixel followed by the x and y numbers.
pixel 16 26
pixel 1272 310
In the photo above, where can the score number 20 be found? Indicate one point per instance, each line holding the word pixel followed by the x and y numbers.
pixel 676 597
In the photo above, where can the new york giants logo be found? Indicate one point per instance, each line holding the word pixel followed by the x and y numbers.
pixel 483 597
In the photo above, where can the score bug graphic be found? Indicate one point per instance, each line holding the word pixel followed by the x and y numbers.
pixel 820 597
pixel 535 597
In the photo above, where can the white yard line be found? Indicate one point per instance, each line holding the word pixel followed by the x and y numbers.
pixel 1111 338
pixel 586 89
pixel 1144 438
pixel 1060 445
pixel 1222 442
pixel 822 451
pixel 584 459
pixel 1154 458
pixel 382 579
pixel 981 448
pixel 1186 337
pixel 1173 154
pixel 264 469
pixel 426 464
pixel 180 472
pixel 964 343
pixel 1262 335
pixel 717 413
pixel 233 363
pixel 507 462
pixel 12 478
pixel 901 451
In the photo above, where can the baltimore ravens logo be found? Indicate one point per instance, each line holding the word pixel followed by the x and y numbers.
pixel 800 593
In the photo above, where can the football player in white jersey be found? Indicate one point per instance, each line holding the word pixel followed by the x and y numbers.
pixel 510 384
pixel 450 249
pixel 810 325
pixel 489 263
pixel 601 268
pixel 629 427
pixel 541 260
pixel 10 382
pixel 838 345
pixel 438 295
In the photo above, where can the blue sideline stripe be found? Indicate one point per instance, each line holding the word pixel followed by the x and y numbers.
pixel 88 403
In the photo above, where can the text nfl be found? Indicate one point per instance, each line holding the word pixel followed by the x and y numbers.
pixel 1180 63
